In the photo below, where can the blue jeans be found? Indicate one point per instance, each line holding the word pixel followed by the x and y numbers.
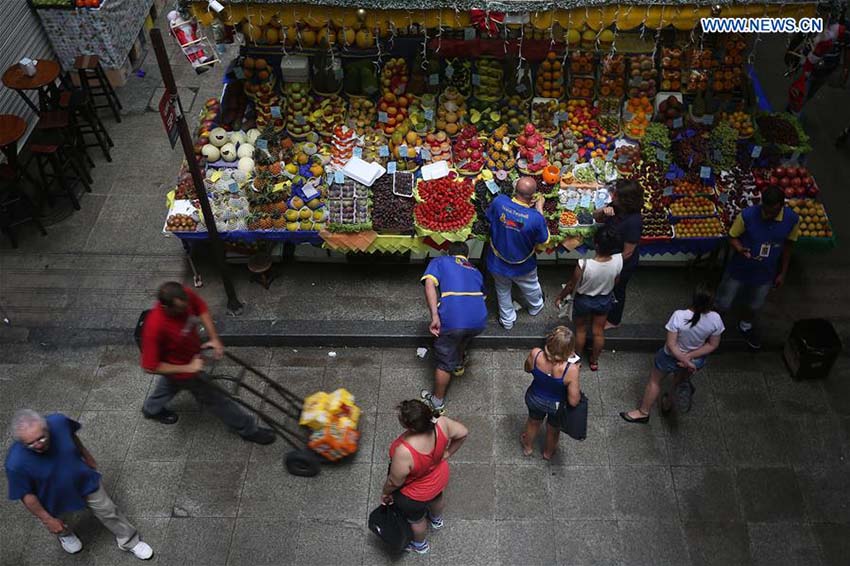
pixel 528 285
pixel 665 363
pixel 539 407
pixel 731 288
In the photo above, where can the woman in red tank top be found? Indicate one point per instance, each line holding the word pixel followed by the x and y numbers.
pixel 419 468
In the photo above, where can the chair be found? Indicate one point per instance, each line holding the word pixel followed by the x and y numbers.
pixel 94 82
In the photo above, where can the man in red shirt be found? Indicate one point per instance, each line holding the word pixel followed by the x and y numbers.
pixel 171 348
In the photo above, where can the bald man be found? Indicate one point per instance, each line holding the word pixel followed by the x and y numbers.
pixel 517 228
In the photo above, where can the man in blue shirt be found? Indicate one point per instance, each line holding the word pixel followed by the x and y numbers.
pixel 51 472
pixel 454 291
pixel 517 228
pixel 762 237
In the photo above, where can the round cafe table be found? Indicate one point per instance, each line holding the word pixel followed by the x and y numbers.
pixel 44 81
pixel 12 129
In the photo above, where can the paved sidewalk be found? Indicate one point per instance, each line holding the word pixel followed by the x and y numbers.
pixel 757 473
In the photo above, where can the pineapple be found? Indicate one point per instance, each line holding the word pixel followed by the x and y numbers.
pixel 266 223
pixel 280 223
pixel 253 222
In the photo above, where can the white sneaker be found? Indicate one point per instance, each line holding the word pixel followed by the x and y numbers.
pixel 142 551
pixel 70 543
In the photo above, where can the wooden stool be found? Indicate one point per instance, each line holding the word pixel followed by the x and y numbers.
pixel 84 121
pixel 60 122
pixel 48 148
pixel 96 85
pixel 16 208
pixel 260 265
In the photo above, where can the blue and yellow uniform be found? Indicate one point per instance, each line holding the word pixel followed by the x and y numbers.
pixel 461 291
pixel 516 229
pixel 765 238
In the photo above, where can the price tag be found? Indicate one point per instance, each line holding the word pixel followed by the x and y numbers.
pixel 795 156
pixel 584 202
pixel 339 178
pixel 402 150
pixel 338 73
pixel 429 114
pixel 610 155
pixel 521 88
pixel 233 187
pixel 724 198
pixel 667 191
pixel 238 73
pixel 382 117
pixel 433 79
pixel 329 178
pixel 300 119
pixel 391 167
pixel 476 80
pixel 275 111
pixel 262 144
pixel 492 186
pixel 708 119
pixel 462 164
pixel 450 72
pixel 571 204
pixel 538 157
pixel 425 154
pixel 358 152
pixel 563 116
pixel 383 151
pixel 756 152
pixel 215 176
pixel 468 34
pixel 309 191
pixel 556 120
pixel 623 159
pixel 277 187
pixel 677 123
pixel 574 158
pixel 718 155
pixel 661 155
pixel 705 172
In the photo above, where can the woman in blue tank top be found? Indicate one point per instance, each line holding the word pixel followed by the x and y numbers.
pixel 554 369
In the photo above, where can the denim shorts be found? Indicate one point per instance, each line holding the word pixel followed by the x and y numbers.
pixel 666 363
pixel 585 305
pixel 539 407
pixel 730 289
pixel 450 345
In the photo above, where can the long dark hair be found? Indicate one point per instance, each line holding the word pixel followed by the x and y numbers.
pixel 608 240
pixel 701 303
pixel 416 416
pixel 628 197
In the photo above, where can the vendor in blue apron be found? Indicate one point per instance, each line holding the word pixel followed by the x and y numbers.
pixel 517 228
pixel 762 237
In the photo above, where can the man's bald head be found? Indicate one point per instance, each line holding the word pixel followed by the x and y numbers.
pixel 526 187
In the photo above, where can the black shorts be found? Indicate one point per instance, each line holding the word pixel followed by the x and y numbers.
pixel 413 510
pixel 450 345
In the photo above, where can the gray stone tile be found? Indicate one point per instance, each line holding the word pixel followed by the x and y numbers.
pixel 362 381
pixel 718 544
pixel 398 385
pixel 796 397
pixel 526 542
pixel 507 449
pixel 755 440
pixel 210 489
pixel 466 542
pixel 769 495
pixel 213 442
pixel 107 434
pixel 313 543
pixel 585 543
pixel 355 358
pixel 375 554
pixel 697 441
pixel 155 441
pixel 837 388
pixel 510 386
pixel 265 542
pixel 814 440
pixel 826 492
pixel 834 543
pixel 791 544
pixel 472 393
pixel 118 387
pixel 706 494
pixel 510 360
pixel 652 543
pixel 633 444
pixel 270 491
pixel 406 358
pixel 339 491
pixel 471 493
pixel 581 492
pixel 739 393
pixel 148 489
pixel 197 541
pixel 15 530
pixel 521 492
pixel 591 451
pixel 47 389
pixel 299 357
pixel 478 446
pixel 643 492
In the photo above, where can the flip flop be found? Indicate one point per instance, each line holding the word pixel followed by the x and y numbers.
pixel 525 451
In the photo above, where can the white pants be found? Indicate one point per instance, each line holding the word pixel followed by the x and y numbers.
pixel 107 513
pixel 532 294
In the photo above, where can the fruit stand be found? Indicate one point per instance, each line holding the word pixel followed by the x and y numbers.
pixel 379 129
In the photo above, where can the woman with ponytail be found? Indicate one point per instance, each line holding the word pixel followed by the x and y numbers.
pixel 692 334
pixel 555 374
pixel 419 468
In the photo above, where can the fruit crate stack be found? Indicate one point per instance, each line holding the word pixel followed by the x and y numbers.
pixel 582 75
pixel 729 75
pixel 643 77
pixel 671 69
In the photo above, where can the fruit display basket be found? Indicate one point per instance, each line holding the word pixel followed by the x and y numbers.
pixel 781 131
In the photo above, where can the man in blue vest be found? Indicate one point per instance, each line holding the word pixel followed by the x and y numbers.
pixel 762 237
pixel 517 228
pixel 454 291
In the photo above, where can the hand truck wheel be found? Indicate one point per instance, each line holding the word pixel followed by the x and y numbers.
pixel 302 462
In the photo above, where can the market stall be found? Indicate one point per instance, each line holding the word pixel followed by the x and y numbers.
pixel 378 129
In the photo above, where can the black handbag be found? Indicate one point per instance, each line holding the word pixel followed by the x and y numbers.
pixel 391 526
pixel 573 420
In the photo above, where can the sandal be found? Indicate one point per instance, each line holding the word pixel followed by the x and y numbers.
pixel 526 449
pixel 664 404
pixel 594 366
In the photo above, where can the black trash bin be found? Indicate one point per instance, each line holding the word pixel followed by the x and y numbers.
pixel 811 348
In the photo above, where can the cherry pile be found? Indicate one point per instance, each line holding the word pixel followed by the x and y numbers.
pixel 390 213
